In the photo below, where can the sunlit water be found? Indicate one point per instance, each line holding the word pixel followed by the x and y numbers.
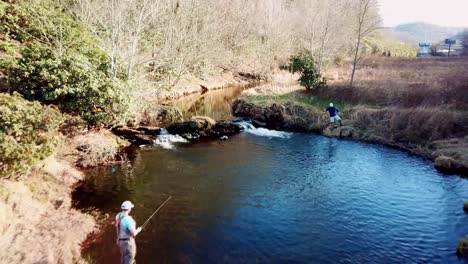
pixel 263 198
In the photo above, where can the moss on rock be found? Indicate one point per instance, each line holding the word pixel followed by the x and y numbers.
pixel 462 248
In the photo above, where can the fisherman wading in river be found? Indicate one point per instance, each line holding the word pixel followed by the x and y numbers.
pixel 126 233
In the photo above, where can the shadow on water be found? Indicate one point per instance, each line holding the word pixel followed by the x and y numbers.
pixel 265 199
pixel 215 104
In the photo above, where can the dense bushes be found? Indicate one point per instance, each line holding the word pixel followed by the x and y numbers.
pixel 305 65
pixel 58 61
pixel 29 133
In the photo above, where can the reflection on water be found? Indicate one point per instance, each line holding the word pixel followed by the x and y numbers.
pixel 302 199
pixel 215 104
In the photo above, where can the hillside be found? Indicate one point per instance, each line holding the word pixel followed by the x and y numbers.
pixel 419 31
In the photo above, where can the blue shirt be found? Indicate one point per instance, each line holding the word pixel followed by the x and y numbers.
pixel 332 111
pixel 126 225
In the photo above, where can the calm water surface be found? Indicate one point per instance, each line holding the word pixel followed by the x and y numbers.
pixel 292 199
pixel 215 104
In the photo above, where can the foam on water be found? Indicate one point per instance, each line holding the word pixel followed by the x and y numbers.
pixel 263 132
pixel 167 141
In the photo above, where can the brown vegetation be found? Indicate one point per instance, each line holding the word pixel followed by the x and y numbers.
pixel 403 82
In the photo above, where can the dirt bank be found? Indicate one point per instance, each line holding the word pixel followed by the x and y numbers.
pixel 37 221
pixel 396 127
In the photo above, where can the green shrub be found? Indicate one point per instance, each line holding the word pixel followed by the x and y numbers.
pixel 305 65
pixel 59 62
pixel 29 133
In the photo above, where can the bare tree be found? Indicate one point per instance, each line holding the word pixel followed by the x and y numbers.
pixel 162 41
pixel 367 21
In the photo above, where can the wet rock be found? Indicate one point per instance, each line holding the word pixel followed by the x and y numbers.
pixel 125 131
pixel 465 206
pixel 258 123
pixel 449 165
pixel 242 108
pixel 278 116
pixel 198 127
pixel 275 115
pixel 341 132
pixel 204 122
pixel 188 129
pixel 142 139
pixel 139 136
pixel 225 128
pixel 462 248
pixel 152 131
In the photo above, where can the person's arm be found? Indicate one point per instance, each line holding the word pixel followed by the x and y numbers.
pixel 134 232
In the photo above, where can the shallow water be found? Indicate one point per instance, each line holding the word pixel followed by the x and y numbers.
pixel 258 198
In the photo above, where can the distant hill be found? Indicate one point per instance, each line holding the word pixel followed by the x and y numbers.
pixel 413 33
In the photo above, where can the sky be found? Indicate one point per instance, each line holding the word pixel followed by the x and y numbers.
pixel 452 13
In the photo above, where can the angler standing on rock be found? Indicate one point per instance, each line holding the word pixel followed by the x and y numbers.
pixel 333 111
pixel 126 233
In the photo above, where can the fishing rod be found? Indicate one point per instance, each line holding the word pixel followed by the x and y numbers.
pixel 144 224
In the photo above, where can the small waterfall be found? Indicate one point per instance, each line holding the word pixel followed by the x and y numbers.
pixel 263 132
pixel 167 141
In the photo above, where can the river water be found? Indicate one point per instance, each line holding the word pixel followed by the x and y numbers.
pixel 274 197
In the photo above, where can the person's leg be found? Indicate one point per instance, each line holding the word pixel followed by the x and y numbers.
pixel 132 250
pixel 122 249
pixel 337 117
pixel 127 257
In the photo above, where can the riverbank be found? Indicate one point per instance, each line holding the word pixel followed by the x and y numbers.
pixel 38 222
pixel 302 111
pixel 45 152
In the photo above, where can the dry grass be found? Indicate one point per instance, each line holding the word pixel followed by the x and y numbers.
pixel 409 126
pixel 418 82
pixel 96 148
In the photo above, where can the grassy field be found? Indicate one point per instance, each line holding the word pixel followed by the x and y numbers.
pixel 403 82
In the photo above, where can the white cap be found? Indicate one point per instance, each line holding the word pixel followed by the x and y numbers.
pixel 127 205
pixel 331 104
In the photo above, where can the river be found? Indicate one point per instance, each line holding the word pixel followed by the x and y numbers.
pixel 274 197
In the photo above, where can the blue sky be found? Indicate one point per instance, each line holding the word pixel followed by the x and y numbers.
pixel 444 13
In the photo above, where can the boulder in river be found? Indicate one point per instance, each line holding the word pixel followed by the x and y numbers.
pixel 201 126
pixel 204 122
pixel 465 206
pixel 462 248
pixel 341 132
pixel 449 165
pixel 187 129
pixel 138 136
pixel 225 128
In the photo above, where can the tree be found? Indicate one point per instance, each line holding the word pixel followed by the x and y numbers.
pixel 305 65
pixel 367 21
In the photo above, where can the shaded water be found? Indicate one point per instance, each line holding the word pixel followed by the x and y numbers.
pixel 295 198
